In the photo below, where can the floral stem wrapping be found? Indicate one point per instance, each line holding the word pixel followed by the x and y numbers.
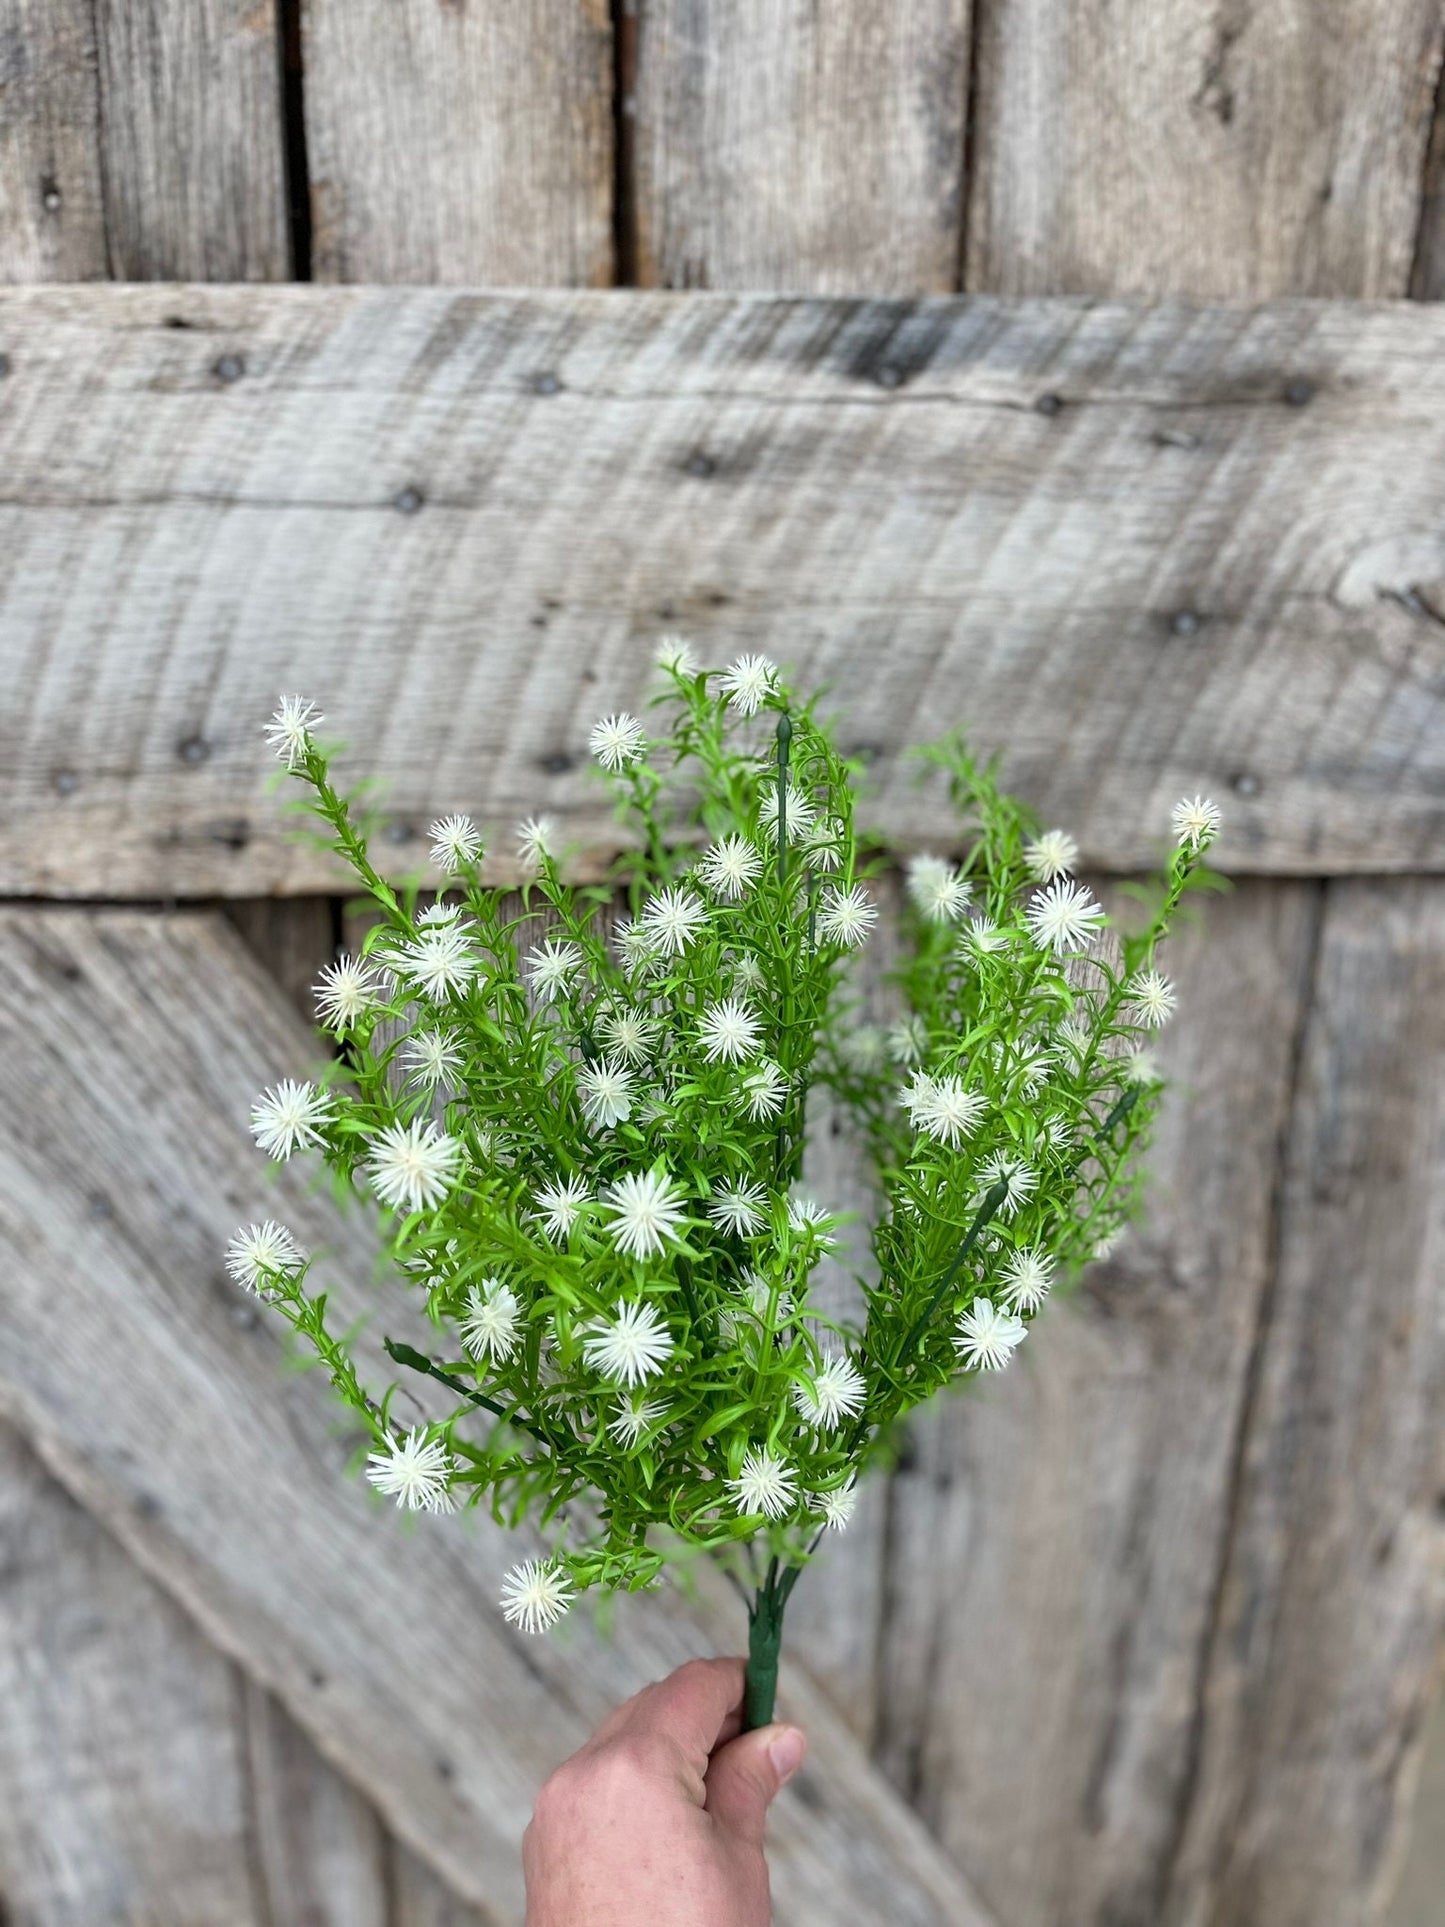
pixel 581 1114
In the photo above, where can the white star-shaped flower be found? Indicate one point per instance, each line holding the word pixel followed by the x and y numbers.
pixel 764 1091
pixel 1027 1279
pixel 672 920
pixel 441 962
pixel 937 888
pixel 837 1392
pixel 289 1116
pixel 739 1209
pixel 729 1031
pixel 536 841
pixel 981 937
pixel 987 1336
pixel 1064 917
pixel 551 968
pixel 1051 855
pixel 646 1210
pixel 908 1041
pixel 766 1486
pixel 434 1057
pixel 1196 821
pixel 535 1595
pixel 617 742
pixel 289 730
pixel 731 868
pixel 413 1166
pixel 812 1219
pixel 1153 997
pixel 630 1347
pixel 838 1505
pixel 494 1313
pixel 606 1089
pixel 455 843
pixel 799 814
pixel 345 990
pixel 847 916
pixel 1020 1178
pixel 559 1205
pixel 634 1418
pixel 260 1252
pixel 415 1471
pixel 628 1034
pixel 941 1107
pixel 675 658
pixel 748 683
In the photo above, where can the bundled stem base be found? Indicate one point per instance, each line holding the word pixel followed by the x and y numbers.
pixel 765 1638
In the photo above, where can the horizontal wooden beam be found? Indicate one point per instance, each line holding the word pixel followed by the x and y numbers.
pixel 154 1390
pixel 1140 549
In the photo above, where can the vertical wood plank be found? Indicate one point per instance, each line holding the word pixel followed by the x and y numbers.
pixel 450 141
pixel 1190 148
pixel 1427 275
pixel 320 1850
pixel 294 937
pixel 1055 1545
pixel 122 1777
pixel 192 148
pixel 810 148
pixel 1330 1617
pixel 52 221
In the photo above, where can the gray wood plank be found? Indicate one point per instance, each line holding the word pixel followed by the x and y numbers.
pixel 419 1899
pixel 320 1852
pixel 1416 1900
pixel 192 151
pixel 1427 274
pixel 1187 148
pixel 123 1785
pixel 1214 565
pixel 223 1477
pixel 52 217
pixel 460 143
pixel 815 149
pixel 1055 1544
pixel 1329 1620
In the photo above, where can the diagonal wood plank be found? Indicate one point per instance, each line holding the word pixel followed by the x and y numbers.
pixel 130 1044
pixel 1212 561
pixel 123 1777
pixel 1038 1695
pixel 457 143
pixel 1330 1616
pixel 1187 147
pixel 817 149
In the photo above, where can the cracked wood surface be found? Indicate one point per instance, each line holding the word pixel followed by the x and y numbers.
pixel 223 1478
pixel 1142 549
pixel 1196 148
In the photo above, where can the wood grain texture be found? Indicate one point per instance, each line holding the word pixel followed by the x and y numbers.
pixel 450 142
pixel 1427 274
pixel 813 149
pixel 123 1786
pixel 1188 147
pixel 224 1478
pixel 1212 562
pixel 1056 1542
pixel 419 1899
pixel 320 1853
pixel 52 217
pixel 294 937
pixel 1336 1570
pixel 192 151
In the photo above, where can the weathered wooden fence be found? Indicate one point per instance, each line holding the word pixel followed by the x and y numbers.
pixel 1146 1634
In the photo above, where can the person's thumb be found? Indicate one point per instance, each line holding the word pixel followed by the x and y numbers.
pixel 744 1775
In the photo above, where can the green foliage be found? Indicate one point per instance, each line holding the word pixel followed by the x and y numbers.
pixel 571 1124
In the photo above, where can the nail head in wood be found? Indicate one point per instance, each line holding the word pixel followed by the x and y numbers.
pixel 229 368
pixel 407 501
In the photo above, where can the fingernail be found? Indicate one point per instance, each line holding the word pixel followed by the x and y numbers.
pixel 786 1753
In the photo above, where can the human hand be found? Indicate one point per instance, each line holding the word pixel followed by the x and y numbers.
pixel 658 1821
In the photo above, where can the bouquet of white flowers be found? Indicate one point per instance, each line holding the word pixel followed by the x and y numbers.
pixel 585 1134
